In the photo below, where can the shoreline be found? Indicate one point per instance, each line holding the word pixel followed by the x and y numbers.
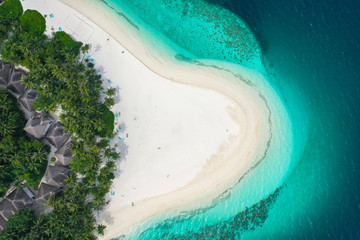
pixel 223 168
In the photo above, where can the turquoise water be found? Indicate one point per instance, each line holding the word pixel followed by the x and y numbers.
pixel 307 186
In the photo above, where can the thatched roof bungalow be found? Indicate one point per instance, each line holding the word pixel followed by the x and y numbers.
pixel 57 136
pixel 14 83
pixel 56 175
pixel 18 199
pixel 27 99
pixel 63 154
pixel 38 125
pixel 45 192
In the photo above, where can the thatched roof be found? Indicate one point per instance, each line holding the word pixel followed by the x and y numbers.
pixel 56 135
pixel 14 84
pixel 18 199
pixel 45 192
pixel 64 155
pixel 38 125
pixel 56 175
pixel 5 70
pixel 7 208
pixel 27 99
pixel 2 224
pixel 20 195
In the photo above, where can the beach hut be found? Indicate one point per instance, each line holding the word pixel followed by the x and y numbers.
pixel 45 192
pixel 18 199
pixel 14 84
pixel 56 135
pixel 27 99
pixel 7 208
pixel 5 69
pixel 63 154
pixel 56 175
pixel 38 125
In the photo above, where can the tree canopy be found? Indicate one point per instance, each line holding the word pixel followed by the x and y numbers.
pixel 68 42
pixel 20 158
pixel 10 9
pixel 19 225
pixel 33 22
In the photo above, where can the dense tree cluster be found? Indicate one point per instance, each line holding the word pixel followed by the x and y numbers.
pixel 20 158
pixel 10 11
pixel 33 22
pixel 70 85
pixel 19 224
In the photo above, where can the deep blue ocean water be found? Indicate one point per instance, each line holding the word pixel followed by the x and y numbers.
pixel 310 51
pixel 314 47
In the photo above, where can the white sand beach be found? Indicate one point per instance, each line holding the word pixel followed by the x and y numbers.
pixel 185 132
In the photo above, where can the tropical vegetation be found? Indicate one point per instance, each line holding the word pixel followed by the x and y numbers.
pixel 69 84
pixel 19 224
pixel 20 158
pixel 33 22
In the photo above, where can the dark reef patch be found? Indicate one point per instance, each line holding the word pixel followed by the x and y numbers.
pixel 246 220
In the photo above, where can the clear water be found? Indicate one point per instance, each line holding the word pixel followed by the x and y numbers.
pixel 309 53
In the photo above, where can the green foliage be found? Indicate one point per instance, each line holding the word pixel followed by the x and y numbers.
pixel 110 92
pixel 4 28
pixel 85 48
pixel 71 217
pixel 30 161
pixel 109 102
pixel 100 229
pixel 44 103
pixel 62 81
pixel 104 182
pixel 109 119
pixel 86 161
pixel 9 17
pixel 33 22
pixel 20 158
pixel 68 42
pixel 19 225
pixel 23 49
pixel 10 9
pixel 70 210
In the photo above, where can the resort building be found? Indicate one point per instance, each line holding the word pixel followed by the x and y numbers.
pixel 18 199
pixel 27 98
pixel 63 154
pixel 38 125
pixel 56 175
pixel 14 82
pixel 57 135
pixel 45 192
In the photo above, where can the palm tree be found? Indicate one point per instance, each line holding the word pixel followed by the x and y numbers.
pixel 100 229
pixel 71 180
pixel 98 125
pixel 7 128
pixel 110 92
